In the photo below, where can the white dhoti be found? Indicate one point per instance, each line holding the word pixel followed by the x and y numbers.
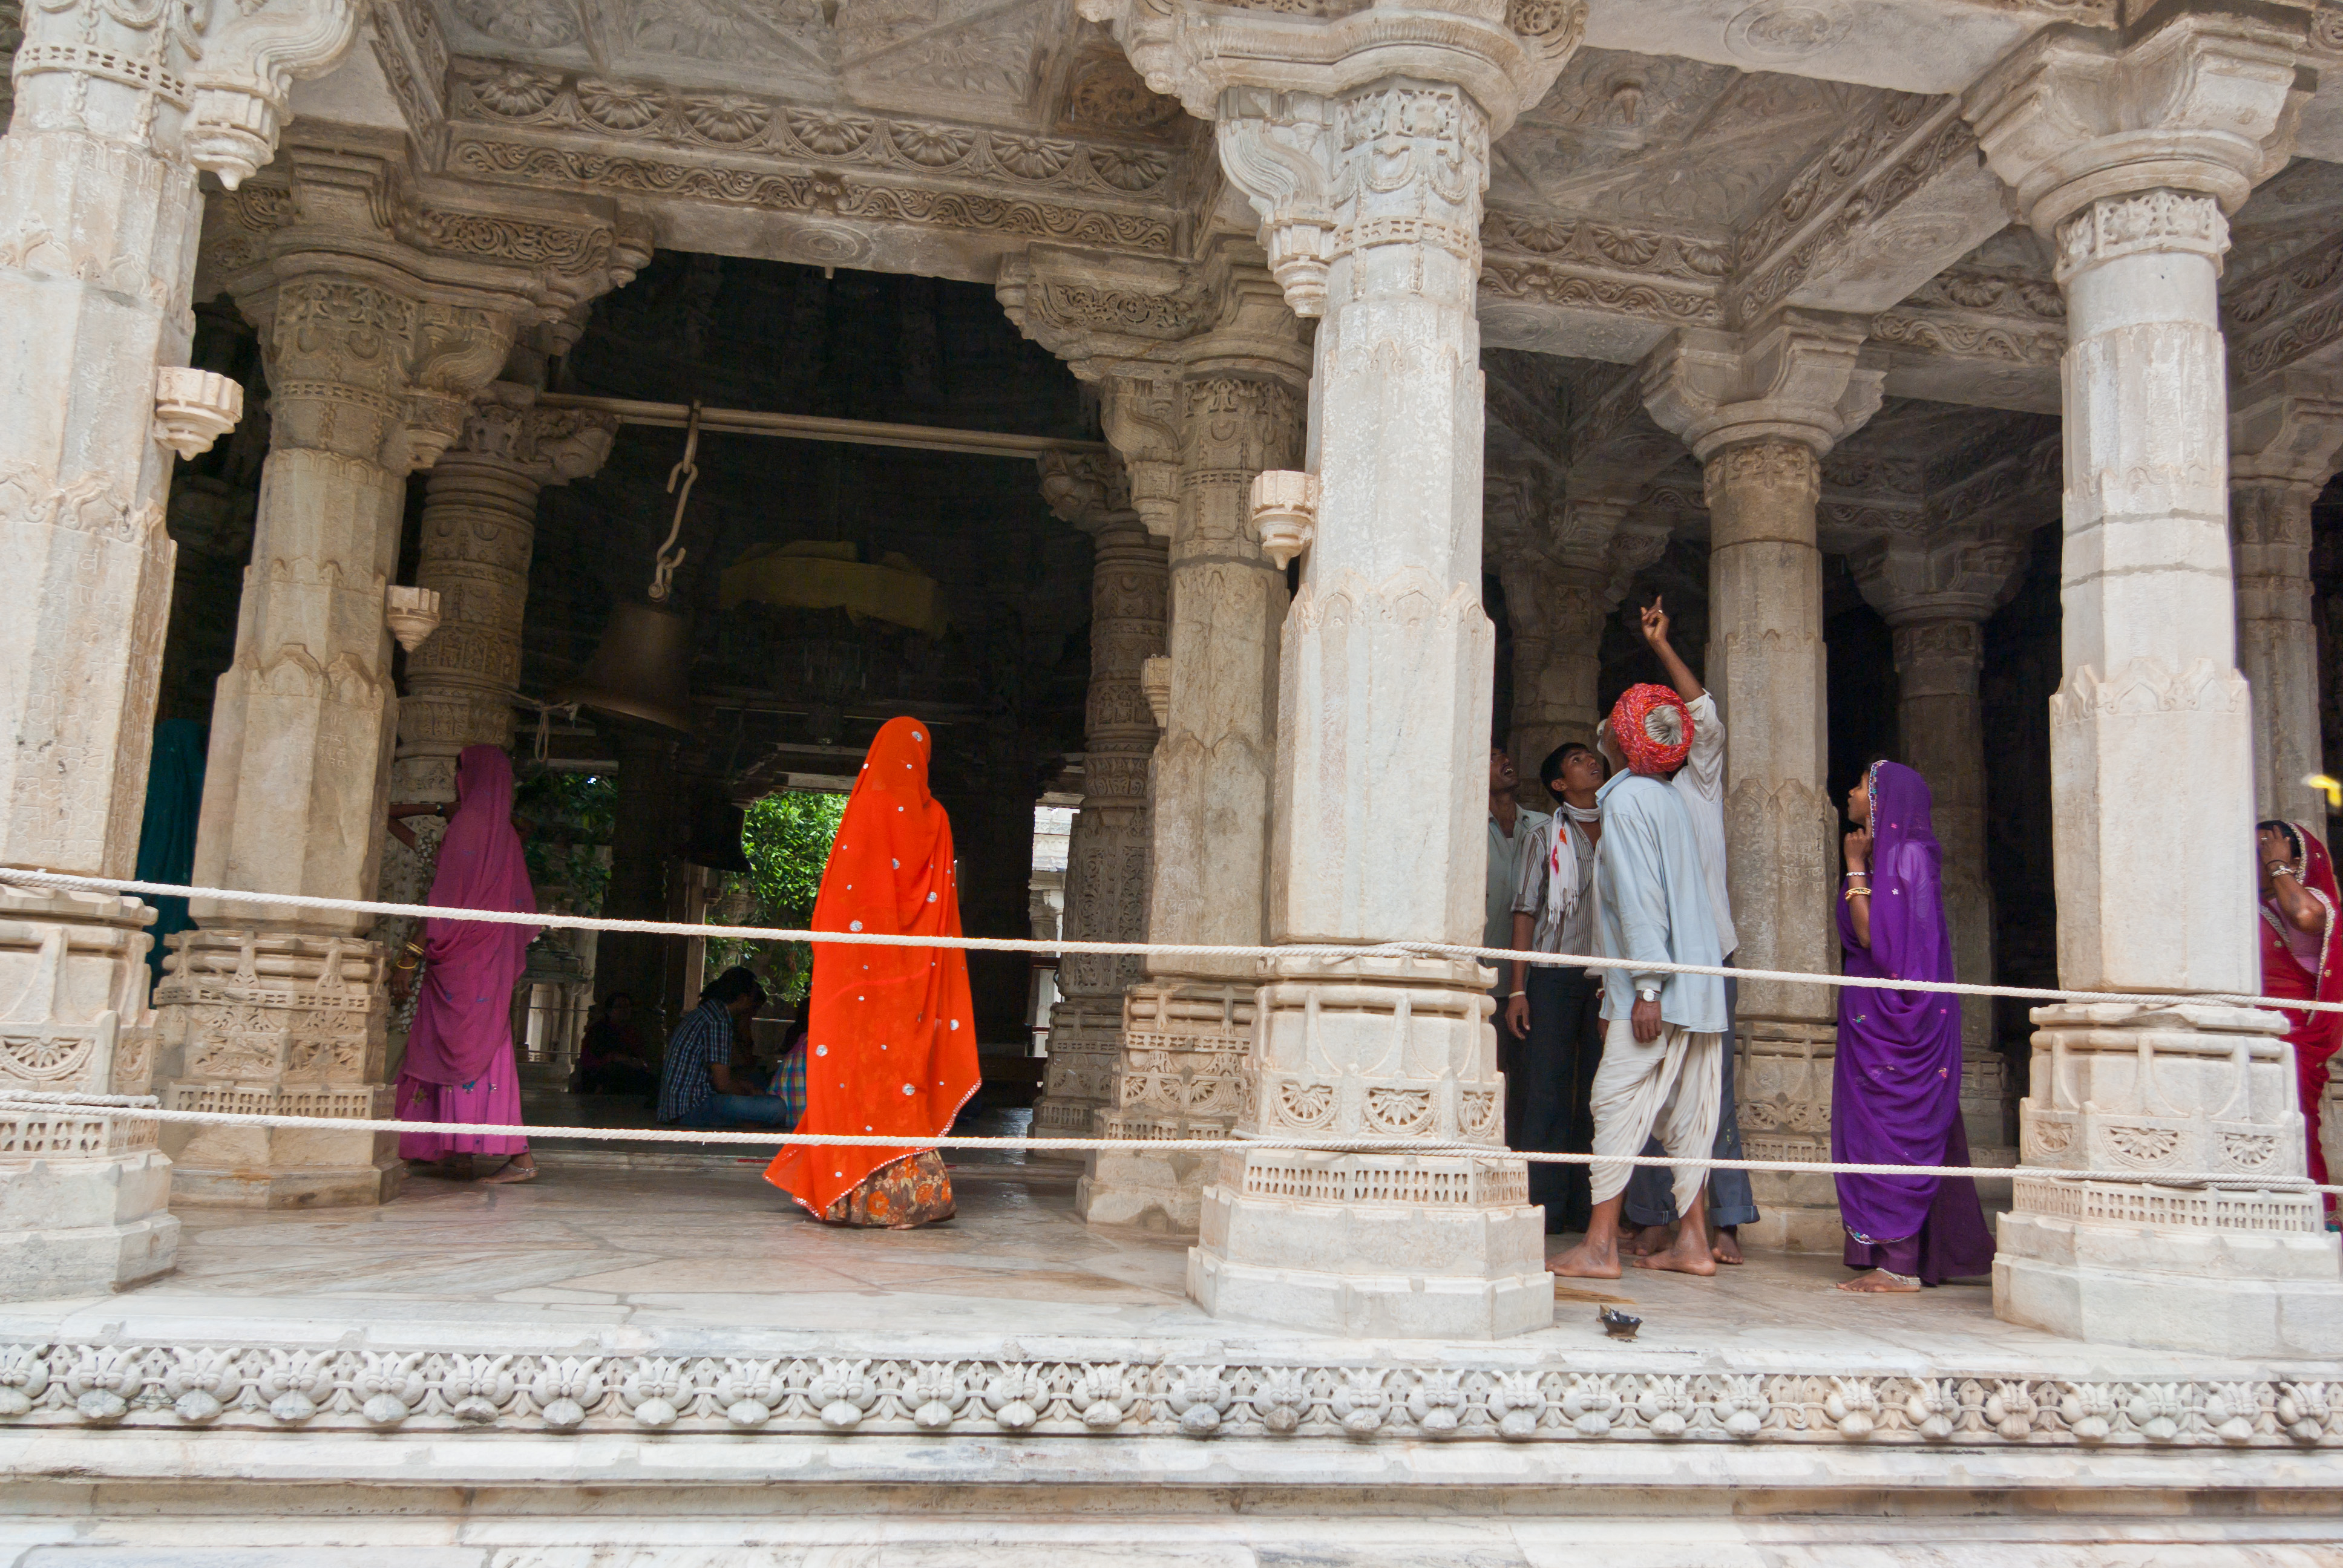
pixel 1669 1087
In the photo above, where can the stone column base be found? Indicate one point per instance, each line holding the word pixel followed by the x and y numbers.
pixel 83 1199
pixel 2228 1268
pixel 275 1024
pixel 285 1167
pixel 1444 1245
pixel 1085 1038
pixel 1783 1082
pixel 2235 1273
pixel 1179 1075
pixel 1366 1245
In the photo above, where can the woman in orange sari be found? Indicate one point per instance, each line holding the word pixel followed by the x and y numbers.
pixel 891 1035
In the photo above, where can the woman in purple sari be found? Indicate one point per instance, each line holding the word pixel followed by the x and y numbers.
pixel 459 1063
pixel 1895 1092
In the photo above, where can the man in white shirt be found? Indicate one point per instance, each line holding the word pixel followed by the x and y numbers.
pixel 1650 1203
pixel 1512 826
pixel 1554 1010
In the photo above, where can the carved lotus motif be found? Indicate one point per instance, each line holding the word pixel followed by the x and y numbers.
pixel 829 134
pixel 1029 157
pixel 618 105
pixel 931 146
pixel 2141 1145
pixel 1129 171
pixel 729 117
pixel 515 93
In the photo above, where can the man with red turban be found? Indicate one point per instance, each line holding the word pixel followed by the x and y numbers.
pixel 1663 1032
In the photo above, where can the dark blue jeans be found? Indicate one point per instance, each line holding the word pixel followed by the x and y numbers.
pixel 1651 1191
pixel 721 1109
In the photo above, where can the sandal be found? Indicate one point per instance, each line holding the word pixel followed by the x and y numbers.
pixel 511 1173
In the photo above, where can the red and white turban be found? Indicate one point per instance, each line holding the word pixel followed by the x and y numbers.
pixel 1653 728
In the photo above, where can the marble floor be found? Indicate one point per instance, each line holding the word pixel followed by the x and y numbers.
pixel 696 1251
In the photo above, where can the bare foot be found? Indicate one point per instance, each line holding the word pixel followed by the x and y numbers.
pixel 1686 1254
pixel 512 1170
pixel 1880 1283
pixel 1650 1239
pixel 1727 1246
pixel 1588 1261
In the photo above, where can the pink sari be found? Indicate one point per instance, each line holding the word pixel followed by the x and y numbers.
pixel 459 1063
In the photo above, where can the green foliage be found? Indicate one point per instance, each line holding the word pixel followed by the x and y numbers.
pixel 569 818
pixel 786 838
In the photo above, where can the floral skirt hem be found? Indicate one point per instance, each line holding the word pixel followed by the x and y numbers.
pixel 899 1196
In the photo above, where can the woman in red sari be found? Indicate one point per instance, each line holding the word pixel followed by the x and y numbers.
pixel 2298 960
pixel 891 1035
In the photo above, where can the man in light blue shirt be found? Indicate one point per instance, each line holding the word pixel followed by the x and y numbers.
pixel 1663 1032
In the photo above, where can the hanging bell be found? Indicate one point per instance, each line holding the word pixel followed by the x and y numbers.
pixel 641 670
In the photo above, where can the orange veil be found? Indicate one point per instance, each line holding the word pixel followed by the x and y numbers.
pixel 890 1034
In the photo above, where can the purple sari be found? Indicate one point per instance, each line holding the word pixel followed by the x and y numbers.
pixel 1896 1091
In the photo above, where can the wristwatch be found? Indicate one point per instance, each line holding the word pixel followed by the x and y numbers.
pixel 1647 993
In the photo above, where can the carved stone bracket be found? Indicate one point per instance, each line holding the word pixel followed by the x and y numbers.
pixel 193 408
pixel 411 613
pixel 2204 103
pixel 1284 513
pixel 1804 377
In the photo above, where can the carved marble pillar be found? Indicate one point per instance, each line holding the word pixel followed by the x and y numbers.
pixel 479 526
pixel 2128 151
pixel 275 1007
pixel 1186 1028
pixel 1937 594
pixel 1759 411
pixel 1202 368
pixel 116 109
pixel 1371 197
pixel 1107 857
pixel 2284 442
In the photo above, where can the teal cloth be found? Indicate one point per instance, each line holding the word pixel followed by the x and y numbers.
pixel 166 838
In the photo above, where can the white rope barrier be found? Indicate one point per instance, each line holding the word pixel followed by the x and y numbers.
pixel 144 1107
pixel 1394 949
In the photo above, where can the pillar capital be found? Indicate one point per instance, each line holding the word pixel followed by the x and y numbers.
pixel 1802 376
pixel 2083 123
pixel 204 86
pixel 1090 490
pixel 1303 101
pixel 1962 573
pixel 386 308
pixel 504 427
pixel 1141 329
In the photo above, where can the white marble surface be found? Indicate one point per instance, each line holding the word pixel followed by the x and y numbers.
pixel 707 1259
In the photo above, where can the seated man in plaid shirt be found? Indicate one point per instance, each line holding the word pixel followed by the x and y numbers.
pixel 704 1083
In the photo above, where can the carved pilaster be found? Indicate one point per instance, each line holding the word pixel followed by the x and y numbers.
pixel 383 314
pixel 479 525
pixel 115 110
pixel 2286 441
pixel 2129 149
pixel 1383 726
pixel 1760 410
pixel 1936 592
pixel 1107 857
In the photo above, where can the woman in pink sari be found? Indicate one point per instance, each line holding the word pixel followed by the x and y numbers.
pixel 459 1062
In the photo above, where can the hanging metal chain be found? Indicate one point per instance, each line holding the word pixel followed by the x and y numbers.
pixel 686 472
